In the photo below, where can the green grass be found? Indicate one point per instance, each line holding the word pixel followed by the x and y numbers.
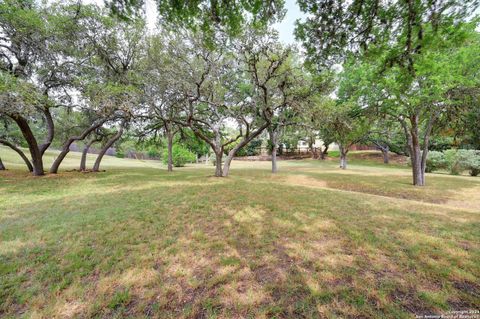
pixel 312 241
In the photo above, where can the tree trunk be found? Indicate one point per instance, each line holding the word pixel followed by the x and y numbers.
pixel 50 131
pixel 386 158
pixel 83 160
pixel 310 146
pixel 36 154
pixel 416 158
pixel 218 163
pixel 274 159
pixel 170 150
pixel 245 141
pixel 19 152
pixel 413 144
pixel 343 157
pixel 61 156
pixel 273 141
pixel 96 166
pixel 323 154
pixel 2 167
pixel 66 146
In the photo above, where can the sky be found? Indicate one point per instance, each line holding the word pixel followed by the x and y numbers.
pixel 287 26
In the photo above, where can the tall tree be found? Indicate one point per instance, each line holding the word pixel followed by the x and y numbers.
pixel 163 96
pixel 38 63
pixel 218 95
pixel 413 49
pixel 110 85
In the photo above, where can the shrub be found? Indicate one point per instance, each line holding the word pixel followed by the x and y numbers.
pixel 435 161
pixel 253 148
pixel 153 152
pixel 180 156
pixel 461 160
pixel 470 160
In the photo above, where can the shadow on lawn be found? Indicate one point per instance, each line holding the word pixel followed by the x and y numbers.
pixel 207 240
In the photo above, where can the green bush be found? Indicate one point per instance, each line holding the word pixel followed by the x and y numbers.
pixel 253 148
pixel 435 161
pixel 462 160
pixel 153 152
pixel 180 156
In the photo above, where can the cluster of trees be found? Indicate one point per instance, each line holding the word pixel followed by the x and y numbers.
pixel 214 75
pixel 412 63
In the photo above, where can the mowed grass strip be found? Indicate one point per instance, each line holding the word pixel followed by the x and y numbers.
pixel 136 241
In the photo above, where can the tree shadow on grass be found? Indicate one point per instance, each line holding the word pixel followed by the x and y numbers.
pixel 206 245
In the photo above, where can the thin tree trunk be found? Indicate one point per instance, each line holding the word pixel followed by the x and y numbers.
pixel 83 160
pixel 343 157
pixel 19 152
pixel 170 150
pixel 50 131
pixel 2 167
pixel 426 142
pixel 66 146
pixel 273 141
pixel 96 166
pixel 37 161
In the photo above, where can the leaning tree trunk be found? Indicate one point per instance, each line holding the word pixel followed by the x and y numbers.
pixel 50 131
pixel 35 152
pixel 386 158
pixel 83 160
pixel 246 139
pixel 2 167
pixel 343 157
pixel 170 150
pixel 19 152
pixel 96 166
pixel 66 146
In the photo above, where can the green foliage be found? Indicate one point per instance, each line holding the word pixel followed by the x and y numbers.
pixel 205 14
pixel 455 161
pixel 253 148
pixel 435 161
pixel 153 151
pixel 193 143
pixel 462 160
pixel 180 156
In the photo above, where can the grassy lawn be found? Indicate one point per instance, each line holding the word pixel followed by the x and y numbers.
pixel 310 242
